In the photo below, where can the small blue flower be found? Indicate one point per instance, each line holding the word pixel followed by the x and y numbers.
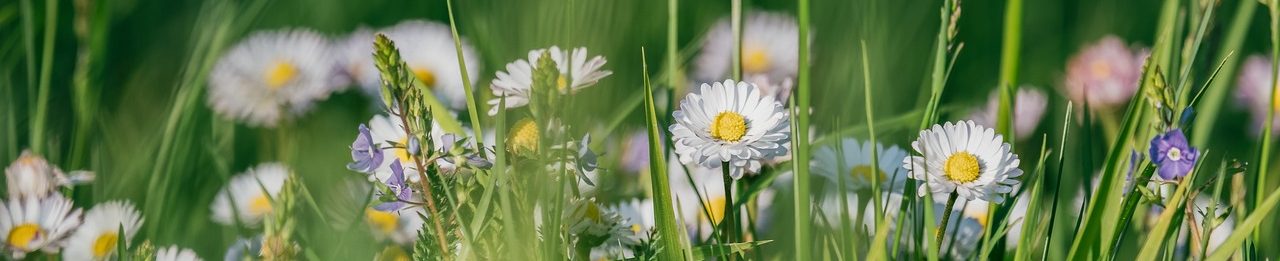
pixel 364 152
pixel 1171 153
pixel 398 188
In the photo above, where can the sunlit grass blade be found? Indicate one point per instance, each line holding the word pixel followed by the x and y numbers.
pixel 1031 220
pixel 663 206
pixel 800 139
pixel 472 110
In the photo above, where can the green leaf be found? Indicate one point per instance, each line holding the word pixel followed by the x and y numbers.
pixel 662 199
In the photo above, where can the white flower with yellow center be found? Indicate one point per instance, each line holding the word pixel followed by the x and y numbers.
pixel 852 160
pixel 770 51
pixel 730 122
pixel 98 237
pixel 29 224
pixel 400 226
pixel 964 158
pixel 388 133
pixel 175 253
pixel 244 201
pixel 576 72
pixel 428 49
pixel 271 76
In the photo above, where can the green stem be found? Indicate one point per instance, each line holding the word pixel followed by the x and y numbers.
pixel 736 17
pixel 1009 68
pixel 801 139
pixel 46 69
pixel 946 216
pixel 1264 154
pixel 729 222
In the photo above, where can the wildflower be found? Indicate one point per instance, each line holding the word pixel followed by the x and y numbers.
pixel 1171 153
pixel 1253 91
pixel 29 224
pixel 770 51
pixel 730 122
pixel 365 153
pixel 593 224
pixel 852 159
pixel 355 60
pixel 31 176
pixel 250 194
pixel 523 138
pixel 97 238
pixel 388 132
pixel 576 72
pixel 1105 74
pixel 400 226
pixel 965 158
pixel 174 253
pixel 272 76
pixel 1029 108
pixel 398 189
pixel 637 216
pixel 428 48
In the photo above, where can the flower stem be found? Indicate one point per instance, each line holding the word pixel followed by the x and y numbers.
pixel 946 216
pixel 426 190
pixel 729 223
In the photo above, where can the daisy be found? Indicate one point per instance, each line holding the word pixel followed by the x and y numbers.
pixel 1253 91
pixel 272 76
pixel 355 60
pixel 428 48
pixel 1029 107
pixel 174 253
pixel 852 159
pixel 399 226
pixel 32 224
pixel 1105 73
pixel 97 238
pixel 730 122
pixel 245 194
pixel 388 133
pixel 31 176
pixel 576 72
pixel 770 51
pixel 964 158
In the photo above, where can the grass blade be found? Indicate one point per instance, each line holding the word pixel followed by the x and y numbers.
pixel 800 141
pixel 663 206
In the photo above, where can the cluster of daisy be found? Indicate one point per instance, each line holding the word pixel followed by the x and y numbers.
pixel 38 220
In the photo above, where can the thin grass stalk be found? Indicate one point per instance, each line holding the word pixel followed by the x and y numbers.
pixel 85 93
pixel 1053 208
pixel 801 139
pixel 735 13
pixel 1011 48
pixel 871 133
pixel 1031 221
pixel 472 110
pixel 40 118
pixel 1264 150
pixel 1246 228
pixel 1216 93
pixel 669 236
pixel 729 223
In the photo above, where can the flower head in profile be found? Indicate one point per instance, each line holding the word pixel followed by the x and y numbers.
pixel 1105 74
pixel 272 76
pixel 365 152
pixel 852 159
pixel 730 122
pixel 32 176
pixel 1028 108
pixel 175 253
pixel 770 51
pixel 97 238
pixel 1254 94
pixel 964 158
pixel 1171 153
pixel 29 224
pixel 249 196
pixel 398 190
pixel 575 71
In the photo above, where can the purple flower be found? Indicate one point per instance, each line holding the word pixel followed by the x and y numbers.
pixel 1171 153
pixel 364 152
pixel 398 188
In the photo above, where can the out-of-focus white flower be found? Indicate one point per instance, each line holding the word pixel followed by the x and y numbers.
pixel 175 253
pixel 272 76
pixel 852 159
pixel 770 51
pixel 96 239
pixel 29 224
pixel 576 72
pixel 244 201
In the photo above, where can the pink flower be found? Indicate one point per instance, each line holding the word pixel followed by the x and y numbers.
pixel 1105 73
pixel 1252 92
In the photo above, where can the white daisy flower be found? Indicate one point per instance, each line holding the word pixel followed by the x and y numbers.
pixel 428 49
pixel 1029 107
pixel 356 60
pixel 175 253
pixel 400 226
pixel 31 224
pixel 852 159
pixel 964 158
pixel 96 239
pixel 770 52
pixel 389 130
pixel 730 122
pixel 31 176
pixel 245 194
pixel 576 72
pixel 271 76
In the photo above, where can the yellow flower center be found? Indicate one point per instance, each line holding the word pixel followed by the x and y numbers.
pixel 22 235
pixel 403 153
pixel 105 244
pixel 562 83
pixel 715 207
pixel 636 228
pixel 1100 68
pixel 962 167
pixel 754 60
pixel 426 76
pixel 260 205
pixel 280 74
pixel 383 221
pixel 524 137
pixel 866 172
pixel 593 213
pixel 393 253
pixel 728 126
